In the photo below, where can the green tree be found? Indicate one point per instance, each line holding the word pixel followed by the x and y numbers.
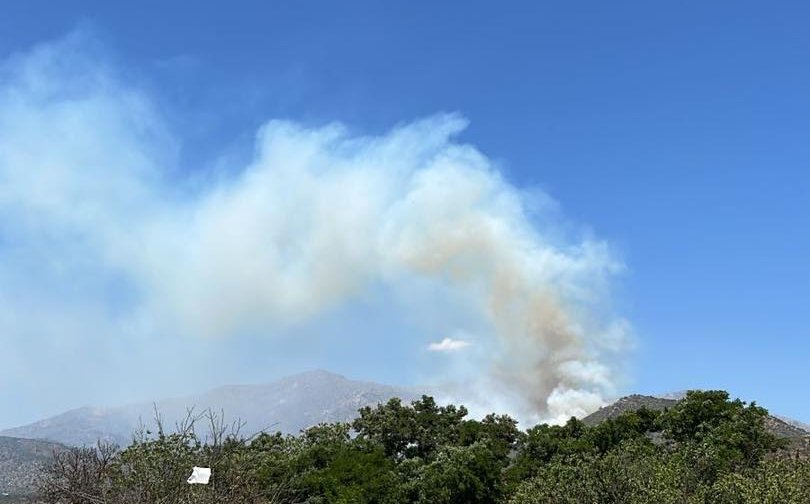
pixel 354 475
pixel 718 434
pixel 614 431
pixel 544 443
pixel 499 432
pixel 418 430
pixel 461 475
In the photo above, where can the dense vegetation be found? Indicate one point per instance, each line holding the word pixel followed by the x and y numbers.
pixel 705 449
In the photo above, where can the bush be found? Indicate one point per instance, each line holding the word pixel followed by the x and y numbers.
pixel 716 451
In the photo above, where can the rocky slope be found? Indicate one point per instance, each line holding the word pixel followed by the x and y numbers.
pixel 628 403
pixel 795 423
pixel 20 461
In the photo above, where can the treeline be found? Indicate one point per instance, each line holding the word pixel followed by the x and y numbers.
pixel 707 449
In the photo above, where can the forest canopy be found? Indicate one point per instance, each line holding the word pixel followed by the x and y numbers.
pixel 705 449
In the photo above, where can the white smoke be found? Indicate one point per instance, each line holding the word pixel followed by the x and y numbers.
pixel 89 200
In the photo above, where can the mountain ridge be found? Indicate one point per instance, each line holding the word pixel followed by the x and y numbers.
pixel 288 404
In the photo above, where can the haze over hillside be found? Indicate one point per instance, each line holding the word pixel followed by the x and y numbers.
pixel 287 405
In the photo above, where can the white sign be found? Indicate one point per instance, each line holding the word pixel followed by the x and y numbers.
pixel 199 475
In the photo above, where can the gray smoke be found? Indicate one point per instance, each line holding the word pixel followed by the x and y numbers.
pixel 318 218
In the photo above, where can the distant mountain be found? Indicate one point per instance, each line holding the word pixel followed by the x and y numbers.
pixel 287 405
pixel 20 462
pixel 782 427
pixel 626 404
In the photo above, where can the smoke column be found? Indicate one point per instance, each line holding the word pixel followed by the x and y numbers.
pixel 316 219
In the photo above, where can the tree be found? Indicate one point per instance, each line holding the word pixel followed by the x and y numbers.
pixel 717 451
pixel 717 433
pixel 775 482
pixel 543 443
pixel 79 475
pixel 461 475
pixel 631 425
pixel 499 432
pixel 417 430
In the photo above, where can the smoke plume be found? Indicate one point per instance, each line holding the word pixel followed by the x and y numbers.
pixel 96 223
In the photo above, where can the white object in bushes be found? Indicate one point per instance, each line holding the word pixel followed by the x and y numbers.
pixel 199 475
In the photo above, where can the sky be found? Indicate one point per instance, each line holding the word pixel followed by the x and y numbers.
pixel 656 151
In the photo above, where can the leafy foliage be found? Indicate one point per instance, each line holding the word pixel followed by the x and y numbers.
pixel 706 449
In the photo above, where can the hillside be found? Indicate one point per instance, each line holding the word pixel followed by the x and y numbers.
pixel 784 428
pixel 287 405
pixel 20 460
pixel 628 403
pixel 425 453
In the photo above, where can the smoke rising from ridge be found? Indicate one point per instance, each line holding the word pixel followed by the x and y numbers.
pixel 95 223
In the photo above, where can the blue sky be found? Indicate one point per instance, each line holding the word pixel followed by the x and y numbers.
pixel 677 132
